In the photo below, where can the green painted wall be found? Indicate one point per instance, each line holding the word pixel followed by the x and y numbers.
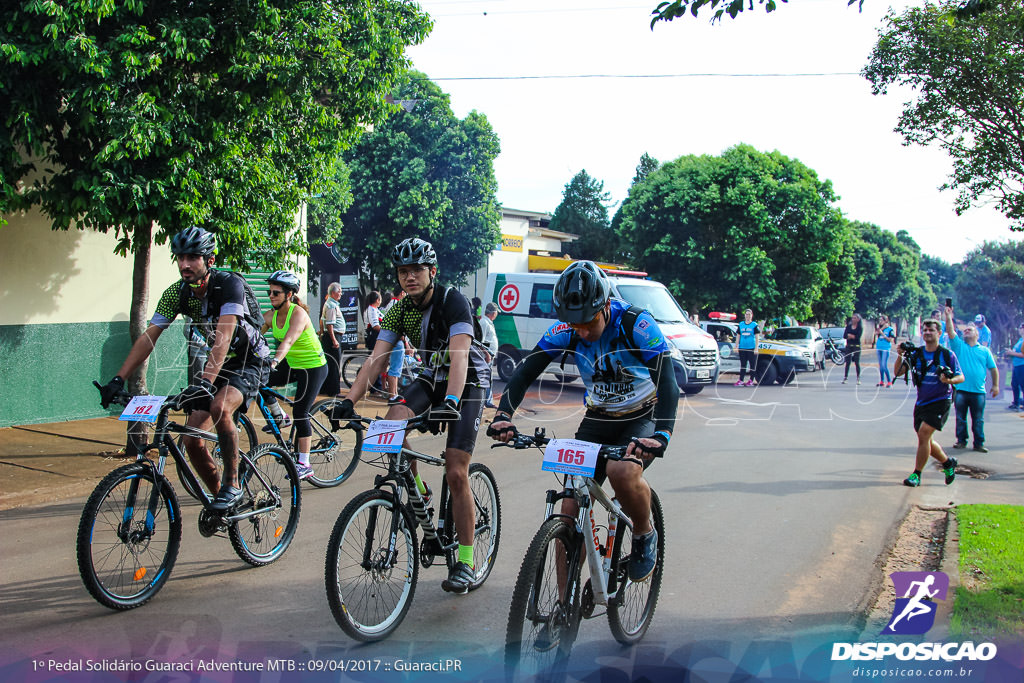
pixel 46 371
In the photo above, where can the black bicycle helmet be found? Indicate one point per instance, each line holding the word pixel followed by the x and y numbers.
pixel 286 279
pixel 194 240
pixel 581 292
pixel 414 251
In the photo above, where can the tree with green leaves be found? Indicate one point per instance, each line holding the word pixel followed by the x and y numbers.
pixel 673 9
pixel 941 275
pixel 899 288
pixel 857 261
pixel 423 173
pixel 583 211
pixel 141 118
pixel 968 75
pixel 991 282
pixel 746 228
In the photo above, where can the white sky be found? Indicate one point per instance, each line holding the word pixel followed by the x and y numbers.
pixel 552 128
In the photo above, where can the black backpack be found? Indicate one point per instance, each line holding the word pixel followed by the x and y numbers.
pixel 626 324
pixel 918 367
pixel 215 295
pixel 438 328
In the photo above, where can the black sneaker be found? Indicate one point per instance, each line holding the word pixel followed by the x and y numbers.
pixel 396 400
pixel 460 578
pixel 227 498
pixel 644 556
pixel 960 444
pixel 282 424
pixel 981 448
pixel 949 469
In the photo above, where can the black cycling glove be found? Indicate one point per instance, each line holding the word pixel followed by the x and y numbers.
pixel 447 411
pixel 110 391
pixel 203 389
pixel 511 429
pixel 656 452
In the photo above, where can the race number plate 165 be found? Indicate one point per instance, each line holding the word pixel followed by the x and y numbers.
pixel 385 436
pixel 570 456
pixel 142 409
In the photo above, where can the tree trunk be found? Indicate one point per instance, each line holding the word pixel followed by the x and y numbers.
pixel 138 433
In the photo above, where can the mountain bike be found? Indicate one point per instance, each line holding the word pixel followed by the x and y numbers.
pixel 549 601
pixel 130 530
pixel 374 553
pixel 333 454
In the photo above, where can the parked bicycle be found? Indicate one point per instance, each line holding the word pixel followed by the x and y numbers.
pixel 333 454
pixel 549 601
pixel 352 364
pixel 374 552
pixel 130 530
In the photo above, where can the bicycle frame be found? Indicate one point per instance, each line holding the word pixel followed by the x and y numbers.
pixel 584 491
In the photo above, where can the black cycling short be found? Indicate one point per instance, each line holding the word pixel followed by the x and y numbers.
pixel 933 414
pixel 248 379
pixel 615 431
pixel 421 395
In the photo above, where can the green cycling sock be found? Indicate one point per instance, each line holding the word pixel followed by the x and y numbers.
pixel 466 554
pixel 420 486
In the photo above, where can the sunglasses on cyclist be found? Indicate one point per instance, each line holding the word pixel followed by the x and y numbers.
pixel 276 292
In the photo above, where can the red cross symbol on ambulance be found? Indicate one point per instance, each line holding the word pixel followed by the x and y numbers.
pixel 508 298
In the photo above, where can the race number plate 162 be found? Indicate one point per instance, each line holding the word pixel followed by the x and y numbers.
pixel 142 409
pixel 385 436
pixel 571 456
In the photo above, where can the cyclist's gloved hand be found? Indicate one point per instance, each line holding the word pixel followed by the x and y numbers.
pixel 648 450
pixel 110 391
pixel 344 410
pixel 203 389
pixel 501 428
pixel 447 411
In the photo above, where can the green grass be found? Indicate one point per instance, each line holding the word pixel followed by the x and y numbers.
pixel 990 599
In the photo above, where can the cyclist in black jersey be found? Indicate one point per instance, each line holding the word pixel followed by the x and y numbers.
pixel 222 309
pixel 452 383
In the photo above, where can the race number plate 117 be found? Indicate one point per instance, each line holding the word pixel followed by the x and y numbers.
pixel 570 456
pixel 385 436
pixel 142 409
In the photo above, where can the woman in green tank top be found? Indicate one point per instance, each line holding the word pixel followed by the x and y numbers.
pixel 299 358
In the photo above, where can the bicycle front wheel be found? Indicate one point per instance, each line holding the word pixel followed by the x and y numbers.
pixel 333 454
pixel 487 526
pixel 263 537
pixel 369 588
pixel 247 440
pixel 631 609
pixel 545 612
pixel 125 555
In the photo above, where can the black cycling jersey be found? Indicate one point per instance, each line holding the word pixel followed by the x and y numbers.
pixel 226 294
pixel 430 330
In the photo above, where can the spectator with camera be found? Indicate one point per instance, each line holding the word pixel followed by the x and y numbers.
pixel 934 370
pixel 977 363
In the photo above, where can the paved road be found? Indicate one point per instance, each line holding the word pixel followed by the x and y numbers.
pixel 779 502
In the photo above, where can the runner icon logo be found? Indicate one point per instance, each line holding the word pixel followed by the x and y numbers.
pixel 914 612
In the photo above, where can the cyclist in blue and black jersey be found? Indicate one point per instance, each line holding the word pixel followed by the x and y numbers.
pixel 223 311
pixel 631 398
pixel 454 379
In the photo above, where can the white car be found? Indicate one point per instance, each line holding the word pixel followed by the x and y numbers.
pixel 807 338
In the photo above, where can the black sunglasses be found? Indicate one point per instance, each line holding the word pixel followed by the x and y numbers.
pixel 276 292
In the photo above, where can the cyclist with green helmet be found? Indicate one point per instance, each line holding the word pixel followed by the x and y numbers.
pixel 224 311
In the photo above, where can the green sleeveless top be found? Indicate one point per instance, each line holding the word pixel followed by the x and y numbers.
pixel 306 352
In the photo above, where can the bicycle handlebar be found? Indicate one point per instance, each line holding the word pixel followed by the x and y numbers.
pixel 522 441
pixel 123 398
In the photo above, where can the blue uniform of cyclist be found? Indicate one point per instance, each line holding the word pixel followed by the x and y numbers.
pixel 631 393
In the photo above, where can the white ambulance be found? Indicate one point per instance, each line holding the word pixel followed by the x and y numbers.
pixel 527 311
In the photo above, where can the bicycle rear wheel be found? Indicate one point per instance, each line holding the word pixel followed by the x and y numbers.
pixel 351 366
pixel 631 609
pixel 544 615
pixel 334 454
pixel 487 527
pixel 263 537
pixel 124 555
pixel 247 440
pixel 370 592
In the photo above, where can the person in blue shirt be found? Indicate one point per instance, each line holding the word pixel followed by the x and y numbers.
pixel 1016 354
pixel 748 332
pixel 984 331
pixel 886 337
pixel 977 363
pixel 631 391
pixel 934 397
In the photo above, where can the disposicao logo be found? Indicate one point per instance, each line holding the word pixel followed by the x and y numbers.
pixel 914 614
